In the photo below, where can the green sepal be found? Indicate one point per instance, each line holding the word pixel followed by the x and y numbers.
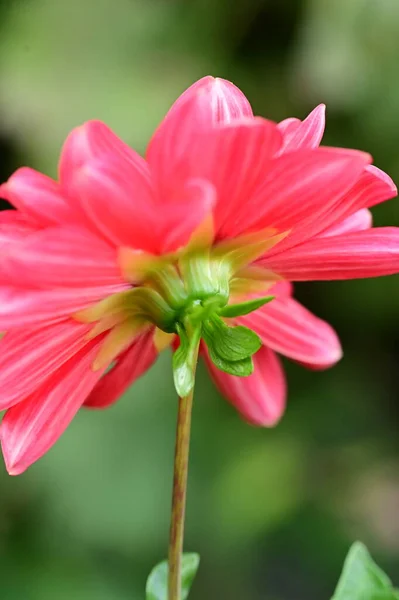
pixel 205 277
pixel 362 579
pixel 157 582
pixel 239 368
pixel 149 303
pixel 184 359
pixel 244 308
pixel 231 344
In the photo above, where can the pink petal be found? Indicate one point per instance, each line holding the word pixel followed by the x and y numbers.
pixel 289 126
pixel 15 227
pixel 281 288
pixel 369 253
pixel 260 398
pixel 240 155
pixel 373 187
pixel 233 158
pixel 117 198
pixel 194 199
pixel 37 196
pixel 62 257
pixel 304 134
pixel 360 220
pixel 377 187
pixel 31 427
pixel 207 102
pixel 348 152
pixel 31 355
pixel 221 101
pixel 297 192
pixel 289 328
pixel 129 367
pixel 92 140
pixel 21 307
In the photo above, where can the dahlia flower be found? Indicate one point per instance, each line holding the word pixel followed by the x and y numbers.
pixel 193 246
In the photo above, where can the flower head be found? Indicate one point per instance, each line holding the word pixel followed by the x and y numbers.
pixel 124 255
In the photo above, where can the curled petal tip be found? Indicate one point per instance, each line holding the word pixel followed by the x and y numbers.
pixel 11 459
pixel 320 114
pixel 385 178
pixel 227 101
pixel 15 470
pixel 331 356
pixel 334 354
pixel 4 191
pixel 304 134
pixel 204 104
pixel 317 116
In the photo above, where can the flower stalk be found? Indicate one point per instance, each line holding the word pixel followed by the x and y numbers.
pixel 179 495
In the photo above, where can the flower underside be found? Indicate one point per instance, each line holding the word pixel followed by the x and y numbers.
pixel 192 294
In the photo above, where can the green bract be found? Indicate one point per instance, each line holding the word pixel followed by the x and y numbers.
pixel 230 343
pixel 244 308
pixel 184 359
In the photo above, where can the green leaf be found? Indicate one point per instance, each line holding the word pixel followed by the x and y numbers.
pixel 157 582
pixel 362 579
pixel 231 344
pixel 244 308
pixel 184 360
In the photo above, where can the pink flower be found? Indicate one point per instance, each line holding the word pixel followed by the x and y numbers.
pixel 214 175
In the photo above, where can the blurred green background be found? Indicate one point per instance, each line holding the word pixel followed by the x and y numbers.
pixel 272 512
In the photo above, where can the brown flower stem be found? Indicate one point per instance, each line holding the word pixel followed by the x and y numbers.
pixel 179 495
